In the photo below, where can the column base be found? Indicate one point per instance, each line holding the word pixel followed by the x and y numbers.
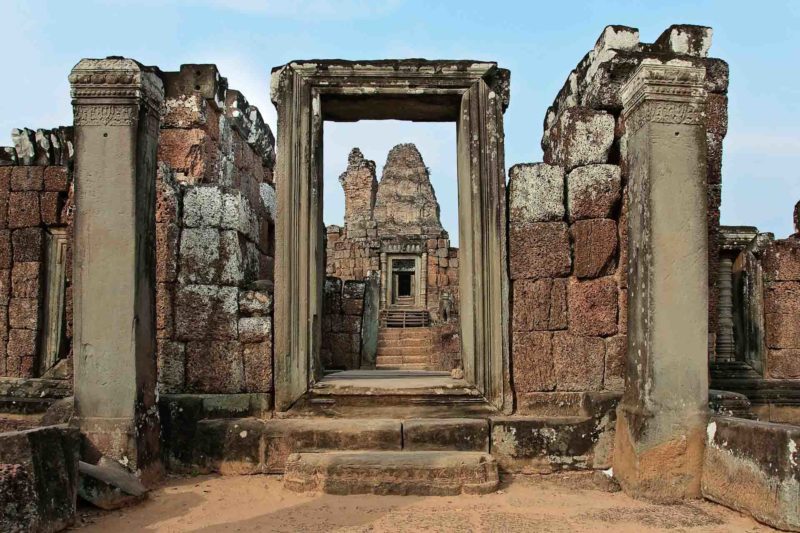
pixel 119 439
pixel 663 470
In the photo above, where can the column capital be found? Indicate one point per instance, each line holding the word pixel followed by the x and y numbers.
pixel 109 92
pixel 666 93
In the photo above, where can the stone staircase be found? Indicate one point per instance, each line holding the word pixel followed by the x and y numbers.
pixel 403 348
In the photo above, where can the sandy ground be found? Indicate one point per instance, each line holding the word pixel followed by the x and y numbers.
pixel 259 503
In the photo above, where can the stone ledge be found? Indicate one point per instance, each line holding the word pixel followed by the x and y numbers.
pixel 400 473
pixel 752 467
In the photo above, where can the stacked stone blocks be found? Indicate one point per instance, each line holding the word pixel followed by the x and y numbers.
pixel 214 228
pixel 35 194
pixel 568 218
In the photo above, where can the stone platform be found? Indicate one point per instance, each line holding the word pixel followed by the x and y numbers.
pixel 401 473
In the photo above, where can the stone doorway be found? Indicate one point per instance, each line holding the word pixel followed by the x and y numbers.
pixel 473 95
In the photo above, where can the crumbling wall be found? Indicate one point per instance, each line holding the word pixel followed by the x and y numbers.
pixel 36 204
pixel 780 261
pixel 568 220
pixel 215 238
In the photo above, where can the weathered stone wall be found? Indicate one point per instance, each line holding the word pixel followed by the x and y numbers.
pixel 781 269
pixel 215 244
pixel 568 219
pixel 35 200
pixel 342 317
pixel 360 187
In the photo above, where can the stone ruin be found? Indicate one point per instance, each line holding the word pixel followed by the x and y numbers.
pixel 394 251
pixel 164 304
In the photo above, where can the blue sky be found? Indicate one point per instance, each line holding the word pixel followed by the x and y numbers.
pixel 539 41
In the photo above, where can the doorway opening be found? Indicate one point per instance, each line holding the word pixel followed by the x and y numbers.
pixel 391 269
pixel 317 273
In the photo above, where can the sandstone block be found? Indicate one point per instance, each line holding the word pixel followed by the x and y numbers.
pixel 401 473
pixel 5 286
pixel 535 193
pixel 185 111
pixel 595 247
pixel 23 313
pixel 255 303
pixel 617 38
pixel 191 153
pixel 543 444
pixel 206 312
pixel 717 114
pixel 200 255
pixel 255 329
pixel 5 249
pixel 593 191
pixel 781 261
pixel 616 359
pixel 578 362
pixel 171 366
pixel 56 179
pixel 580 136
pixel 23 209
pixel 539 250
pixel 236 213
pixel 21 343
pixel 685 39
pixel 27 244
pixel 592 307
pixel 258 366
pixel 459 434
pixel 167 237
pixel 214 367
pixel 50 207
pixel 783 364
pixel 539 305
pixel 202 207
pixel 25 278
pixel 165 317
pixel 533 361
pixel 27 178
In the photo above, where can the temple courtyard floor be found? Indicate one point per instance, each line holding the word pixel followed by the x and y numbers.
pixel 573 502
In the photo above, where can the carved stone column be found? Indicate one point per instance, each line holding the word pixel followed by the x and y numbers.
pixel 662 417
pixel 116 104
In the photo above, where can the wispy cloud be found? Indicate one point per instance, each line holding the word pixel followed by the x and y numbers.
pixel 292 9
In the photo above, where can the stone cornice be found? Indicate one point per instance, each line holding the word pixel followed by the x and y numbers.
pixel 108 91
pixel 664 93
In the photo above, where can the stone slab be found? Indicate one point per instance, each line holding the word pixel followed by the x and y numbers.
pixel 453 434
pixel 402 473
pixel 752 467
pixel 540 445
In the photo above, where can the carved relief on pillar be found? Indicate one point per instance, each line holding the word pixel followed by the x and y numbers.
pixel 664 93
pixel 108 92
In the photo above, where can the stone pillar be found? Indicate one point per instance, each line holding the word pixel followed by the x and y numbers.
pixel 116 106
pixel 662 416
pixel 423 280
pixel 384 281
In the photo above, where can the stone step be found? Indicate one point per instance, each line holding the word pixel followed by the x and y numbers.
pixel 388 343
pixel 414 357
pixel 422 473
pixel 402 366
pixel 403 333
pixel 402 351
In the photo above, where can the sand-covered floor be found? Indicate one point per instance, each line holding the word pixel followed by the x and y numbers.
pixel 550 504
